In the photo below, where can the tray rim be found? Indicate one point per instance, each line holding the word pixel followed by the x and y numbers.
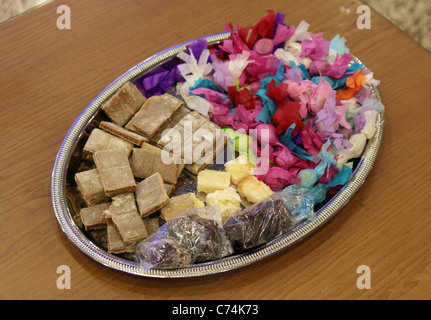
pixel 78 238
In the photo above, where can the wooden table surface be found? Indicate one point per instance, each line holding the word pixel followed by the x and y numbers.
pixel 48 76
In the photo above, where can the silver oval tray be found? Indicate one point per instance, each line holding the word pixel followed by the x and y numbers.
pixel 77 236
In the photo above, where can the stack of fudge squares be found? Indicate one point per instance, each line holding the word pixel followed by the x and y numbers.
pixel 127 189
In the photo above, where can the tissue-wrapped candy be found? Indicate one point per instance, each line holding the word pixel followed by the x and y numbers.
pixel 194 236
pixel 258 224
pixel 300 202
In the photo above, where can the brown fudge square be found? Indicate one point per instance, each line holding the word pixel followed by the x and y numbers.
pixel 173 140
pixel 90 187
pixel 154 113
pixel 115 172
pixel 192 121
pixel 169 172
pixel 179 138
pixel 207 159
pixel 204 140
pixel 91 216
pixel 186 126
pixel 115 243
pixel 142 162
pixel 122 203
pixel 125 134
pixel 152 224
pixel 150 159
pixel 76 203
pixel 176 117
pixel 209 131
pixel 151 194
pixel 198 137
pixel 123 104
pixel 130 226
pixel 101 140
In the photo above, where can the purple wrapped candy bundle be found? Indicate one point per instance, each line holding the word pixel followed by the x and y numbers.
pixel 258 224
pixel 194 236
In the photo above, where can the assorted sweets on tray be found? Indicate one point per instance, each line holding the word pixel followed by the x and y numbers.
pixel 285 110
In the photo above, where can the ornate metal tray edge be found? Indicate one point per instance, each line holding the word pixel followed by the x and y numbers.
pixel 74 233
